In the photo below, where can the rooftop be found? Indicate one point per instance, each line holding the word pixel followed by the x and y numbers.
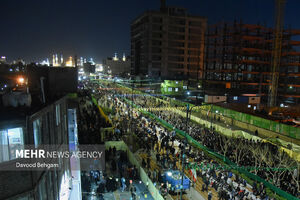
pixel 37 88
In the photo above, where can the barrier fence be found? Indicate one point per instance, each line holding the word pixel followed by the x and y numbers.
pixel 177 106
pixel 277 127
pixel 101 111
pixel 235 115
pixel 260 122
pixel 193 142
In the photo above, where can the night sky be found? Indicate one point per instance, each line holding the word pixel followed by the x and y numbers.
pixel 35 29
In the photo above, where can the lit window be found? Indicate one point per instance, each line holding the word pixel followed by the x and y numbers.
pixel 10 141
pixel 176 89
pixel 37 132
pixel 235 98
pixel 170 89
pixel 57 112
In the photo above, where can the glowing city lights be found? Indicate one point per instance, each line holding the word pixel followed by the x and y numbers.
pixel 21 80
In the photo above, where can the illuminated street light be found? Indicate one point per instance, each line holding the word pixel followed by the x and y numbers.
pixel 21 80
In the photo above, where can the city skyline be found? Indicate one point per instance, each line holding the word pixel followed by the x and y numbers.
pixel 32 31
pixel 149 100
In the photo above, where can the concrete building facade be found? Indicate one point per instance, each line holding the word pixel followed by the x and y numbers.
pixel 35 113
pixel 46 126
pixel 168 43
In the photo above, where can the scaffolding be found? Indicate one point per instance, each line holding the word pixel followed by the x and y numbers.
pixel 238 60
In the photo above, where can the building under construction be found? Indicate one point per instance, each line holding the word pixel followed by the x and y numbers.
pixel 238 62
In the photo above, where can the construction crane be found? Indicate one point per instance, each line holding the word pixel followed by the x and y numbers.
pixel 276 52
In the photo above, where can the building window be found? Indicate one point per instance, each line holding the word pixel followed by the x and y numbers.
pixel 10 141
pixel 176 89
pixel 37 132
pixel 170 89
pixel 184 87
pixel 57 114
pixel 235 98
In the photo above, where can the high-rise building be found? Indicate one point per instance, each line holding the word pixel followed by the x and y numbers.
pixel 168 43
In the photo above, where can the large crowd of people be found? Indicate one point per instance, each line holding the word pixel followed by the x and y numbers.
pixel 118 171
pixel 90 123
pixel 117 175
pixel 263 158
pixel 168 148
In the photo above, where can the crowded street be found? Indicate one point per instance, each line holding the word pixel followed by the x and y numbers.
pixel 161 149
